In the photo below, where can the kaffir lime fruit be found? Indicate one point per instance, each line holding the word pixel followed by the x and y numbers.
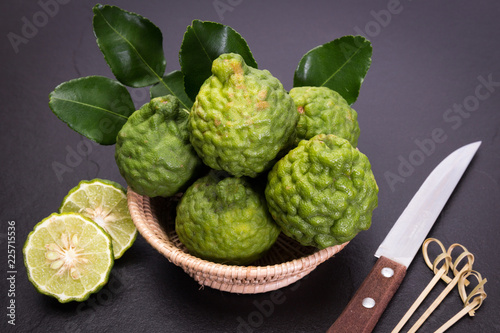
pixel 324 111
pixel 68 256
pixel 153 152
pixel 225 220
pixel 104 202
pixel 323 192
pixel 242 118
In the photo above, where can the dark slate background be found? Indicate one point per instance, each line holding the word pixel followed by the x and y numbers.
pixel 429 61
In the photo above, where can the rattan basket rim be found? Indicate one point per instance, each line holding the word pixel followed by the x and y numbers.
pixel 232 278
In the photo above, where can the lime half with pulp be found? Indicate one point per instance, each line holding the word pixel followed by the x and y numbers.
pixel 105 202
pixel 68 256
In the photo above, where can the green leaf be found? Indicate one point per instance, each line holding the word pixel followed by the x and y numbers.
pixel 340 65
pixel 172 84
pixel 94 106
pixel 131 44
pixel 204 42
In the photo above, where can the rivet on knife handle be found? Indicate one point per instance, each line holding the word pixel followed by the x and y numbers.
pixel 371 299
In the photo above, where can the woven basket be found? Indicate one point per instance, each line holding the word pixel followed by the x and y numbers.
pixel 286 262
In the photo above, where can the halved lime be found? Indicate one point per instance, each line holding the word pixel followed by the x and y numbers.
pixel 105 202
pixel 68 256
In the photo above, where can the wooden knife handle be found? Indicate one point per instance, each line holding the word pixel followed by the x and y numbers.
pixel 365 308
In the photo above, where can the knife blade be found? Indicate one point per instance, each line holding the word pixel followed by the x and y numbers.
pixel 402 243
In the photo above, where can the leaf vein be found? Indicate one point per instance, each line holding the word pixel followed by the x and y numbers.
pixel 340 68
pixel 131 45
pixel 91 106
pixel 202 46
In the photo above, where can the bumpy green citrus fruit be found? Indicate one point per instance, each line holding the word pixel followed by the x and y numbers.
pixel 324 111
pixel 225 220
pixel 323 192
pixel 153 152
pixel 242 118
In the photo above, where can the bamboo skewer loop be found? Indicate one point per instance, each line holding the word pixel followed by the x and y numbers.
pixel 462 269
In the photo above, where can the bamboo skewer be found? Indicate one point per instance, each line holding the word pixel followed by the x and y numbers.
pixel 471 302
pixel 446 258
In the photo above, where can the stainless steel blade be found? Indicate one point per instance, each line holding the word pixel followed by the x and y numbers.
pixel 406 236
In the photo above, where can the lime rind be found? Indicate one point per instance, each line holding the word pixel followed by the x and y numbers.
pixel 111 198
pixel 63 287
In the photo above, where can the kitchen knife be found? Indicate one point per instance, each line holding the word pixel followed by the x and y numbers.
pixel 402 243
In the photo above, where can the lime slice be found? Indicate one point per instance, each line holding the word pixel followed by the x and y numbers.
pixel 105 202
pixel 68 256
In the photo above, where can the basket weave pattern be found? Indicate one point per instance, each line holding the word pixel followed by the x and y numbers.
pixel 286 262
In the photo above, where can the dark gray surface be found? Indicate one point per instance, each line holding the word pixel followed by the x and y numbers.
pixel 428 59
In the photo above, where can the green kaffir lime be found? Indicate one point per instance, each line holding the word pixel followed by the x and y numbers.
pixel 242 118
pixel 323 192
pixel 105 202
pixel 224 219
pixel 68 256
pixel 324 111
pixel 153 152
